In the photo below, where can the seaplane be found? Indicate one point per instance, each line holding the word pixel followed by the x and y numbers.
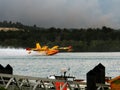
pixel 45 50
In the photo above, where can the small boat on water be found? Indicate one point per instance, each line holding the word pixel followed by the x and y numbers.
pixel 45 50
pixel 69 82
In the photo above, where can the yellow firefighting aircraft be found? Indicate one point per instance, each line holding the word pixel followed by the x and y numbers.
pixel 42 50
pixel 45 50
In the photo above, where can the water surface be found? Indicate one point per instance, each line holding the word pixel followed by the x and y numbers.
pixel 43 66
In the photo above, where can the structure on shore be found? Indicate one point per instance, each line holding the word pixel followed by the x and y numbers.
pixel 95 81
pixel 94 76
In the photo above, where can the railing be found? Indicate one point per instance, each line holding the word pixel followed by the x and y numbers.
pixel 19 82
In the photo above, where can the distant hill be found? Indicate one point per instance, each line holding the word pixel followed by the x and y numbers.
pixel 8 29
pixel 104 39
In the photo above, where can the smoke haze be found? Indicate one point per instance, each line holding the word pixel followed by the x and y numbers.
pixel 62 13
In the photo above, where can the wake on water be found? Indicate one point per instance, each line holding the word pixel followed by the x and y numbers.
pixel 12 52
pixel 23 52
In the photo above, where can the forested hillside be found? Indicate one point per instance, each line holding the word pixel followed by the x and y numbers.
pixel 102 39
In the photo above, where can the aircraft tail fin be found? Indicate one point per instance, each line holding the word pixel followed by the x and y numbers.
pixel 38 46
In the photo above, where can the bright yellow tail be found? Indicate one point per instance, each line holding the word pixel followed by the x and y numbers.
pixel 38 46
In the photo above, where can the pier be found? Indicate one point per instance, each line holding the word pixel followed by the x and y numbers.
pixel 95 81
pixel 19 82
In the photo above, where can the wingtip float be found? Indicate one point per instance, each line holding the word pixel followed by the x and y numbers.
pixel 45 50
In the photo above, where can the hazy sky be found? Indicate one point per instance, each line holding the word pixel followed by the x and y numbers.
pixel 62 13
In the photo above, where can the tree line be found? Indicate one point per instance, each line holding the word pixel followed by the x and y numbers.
pixel 103 39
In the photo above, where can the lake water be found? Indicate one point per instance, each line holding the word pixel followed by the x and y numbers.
pixel 43 66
